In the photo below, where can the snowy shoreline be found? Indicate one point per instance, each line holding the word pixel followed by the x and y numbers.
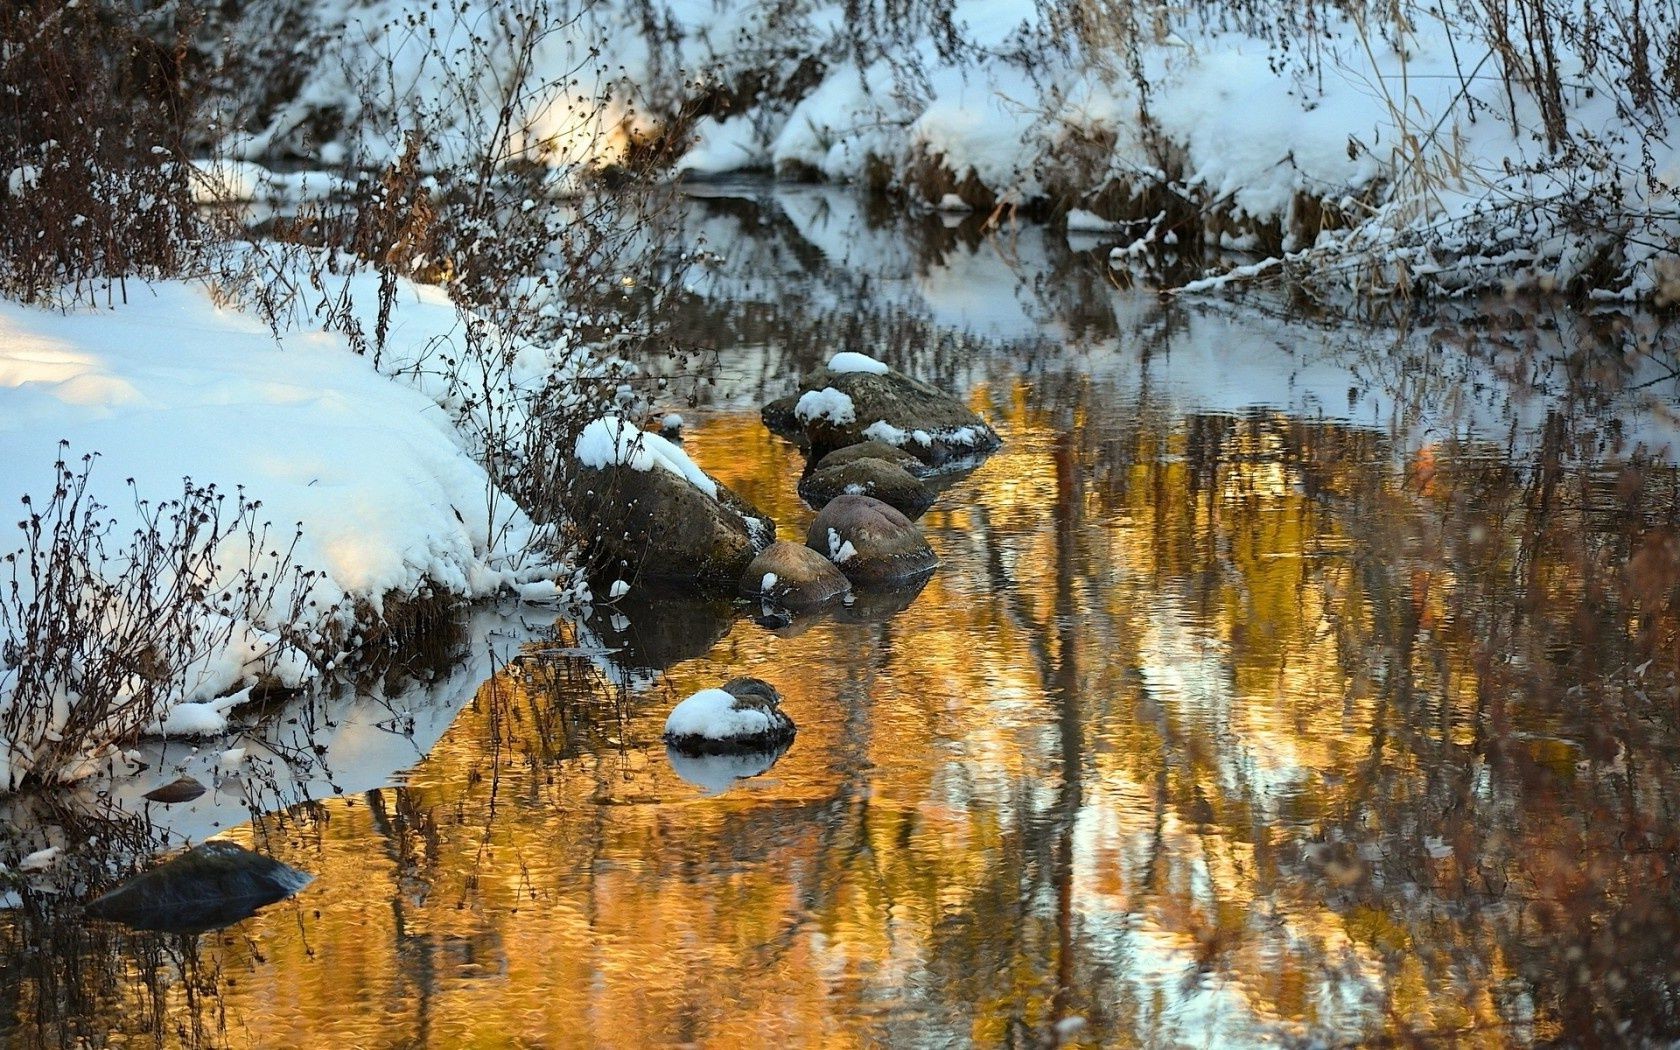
pixel 1394 155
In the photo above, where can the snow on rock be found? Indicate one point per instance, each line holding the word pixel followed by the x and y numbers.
pixel 618 589
pixel 614 441
pixel 712 714
pixel 827 403
pixel 852 361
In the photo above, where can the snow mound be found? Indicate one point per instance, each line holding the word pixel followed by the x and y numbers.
pixel 614 441
pixel 827 403
pixel 712 715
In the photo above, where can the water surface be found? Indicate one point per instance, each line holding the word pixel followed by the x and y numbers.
pixel 1283 682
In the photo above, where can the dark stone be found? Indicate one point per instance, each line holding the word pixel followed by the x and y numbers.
pixel 887 482
pixel 882 602
pixel 885 544
pixel 750 694
pixel 952 431
pixel 872 450
pixel 184 789
pixel 804 578
pixel 209 886
pixel 657 528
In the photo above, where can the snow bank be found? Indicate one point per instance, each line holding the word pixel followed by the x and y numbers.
pixel 1394 149
pixel 390 501
pixel 613 441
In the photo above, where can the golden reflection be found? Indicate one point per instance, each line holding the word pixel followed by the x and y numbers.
pixel 1209 729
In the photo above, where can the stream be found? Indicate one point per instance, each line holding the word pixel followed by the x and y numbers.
pixel 1284 681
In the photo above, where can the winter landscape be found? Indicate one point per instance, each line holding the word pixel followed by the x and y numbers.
pixel 902 522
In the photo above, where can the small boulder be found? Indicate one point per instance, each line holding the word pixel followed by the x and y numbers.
pixel 793 577
pixel 870 541
pixel 209 886
pixel 857 398
pixel 646 506
pixel 743 716
pixel 887 482
pixel 872 450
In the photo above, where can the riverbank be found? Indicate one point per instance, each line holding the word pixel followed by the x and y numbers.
pixel 215 507
pixel 1413 151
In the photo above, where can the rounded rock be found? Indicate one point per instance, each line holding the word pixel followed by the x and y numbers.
pixel 793 577
pixel 871 450
pixel 887 482
pixel 870 541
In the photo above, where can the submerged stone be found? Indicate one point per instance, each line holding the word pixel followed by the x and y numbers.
pixel 209 886
pixel 743 716
pixel 793 577
pixel 887 482
pixel 184 789
pixel 870 541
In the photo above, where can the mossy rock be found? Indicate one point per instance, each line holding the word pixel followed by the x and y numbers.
pixel 658 528
pixel 890 407
pixel 887 482
pixel 872 450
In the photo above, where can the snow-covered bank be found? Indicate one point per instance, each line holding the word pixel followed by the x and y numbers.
pixel 369 467
pixel 1391 152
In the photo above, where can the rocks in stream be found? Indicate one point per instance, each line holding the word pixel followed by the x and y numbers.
pixel 866 476
pixel 869 541
pixel 209 886
pixel 857 399
pixel 793 577
pixel 647 507
pixel 744 716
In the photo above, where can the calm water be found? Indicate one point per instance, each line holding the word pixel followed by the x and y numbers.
pixel 1282 683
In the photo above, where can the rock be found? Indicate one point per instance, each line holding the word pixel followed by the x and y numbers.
pixel 207 887
pixel 184 789
pixel 793 577
pixel 647 507
pixel 744 716
pixel 870 541
pixel 660 529
pixel 857 399
pixel 887 482
pixel 872 450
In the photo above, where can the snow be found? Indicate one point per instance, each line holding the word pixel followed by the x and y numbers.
pixel 722 146
pixel 1081 221
pixel 852 361
pixel 371 467
pixel 1424 136
pixel 618 589
pixel 840 551
pixel 768 582
pixel 712 714
pixel 827 403
pixel 671 422
pixel 614 441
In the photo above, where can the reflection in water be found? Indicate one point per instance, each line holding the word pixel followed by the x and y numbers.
pixel 1265 692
